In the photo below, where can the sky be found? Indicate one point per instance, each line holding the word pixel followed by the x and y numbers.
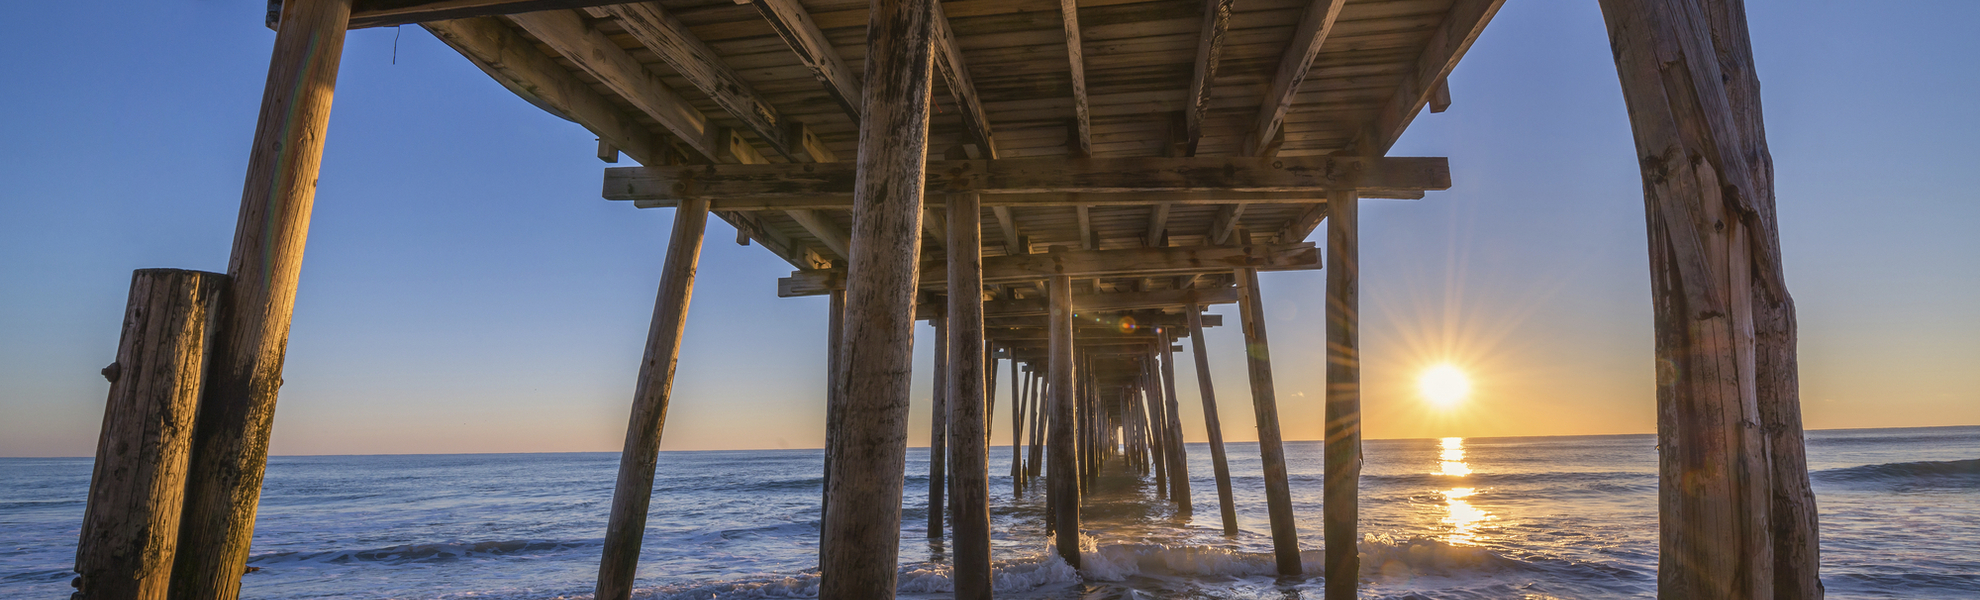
pixel 465 289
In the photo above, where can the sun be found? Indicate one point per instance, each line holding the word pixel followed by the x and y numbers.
pixel 1444 385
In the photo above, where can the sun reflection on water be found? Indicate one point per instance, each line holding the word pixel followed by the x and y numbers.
pixel 1465 520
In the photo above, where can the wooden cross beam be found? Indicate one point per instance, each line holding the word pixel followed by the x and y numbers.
pixel 1135 262
pixel 1093 306
pixel 1460 28
pixel 1140 321
pixel 1003 203
pixel 1209 176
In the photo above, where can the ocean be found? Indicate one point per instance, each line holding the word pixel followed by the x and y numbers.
pixel 1528 518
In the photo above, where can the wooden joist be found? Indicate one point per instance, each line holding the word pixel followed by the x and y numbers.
pixel 1209 51
pixel 567 33
pixel 1312 31
pixel 491 44
pixel 949 63
pixel 1460 28
pixel 1306 174
pixel 1225 222
pixel 669 39
pixel 827 232
pixel 795 26
pixel 1081 142
pixel 388 13
pixel 1136 262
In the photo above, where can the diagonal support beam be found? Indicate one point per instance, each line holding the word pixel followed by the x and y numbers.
pixel 1225 222
pixel 1313 28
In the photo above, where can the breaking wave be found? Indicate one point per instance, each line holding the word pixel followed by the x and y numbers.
pixel 1947 473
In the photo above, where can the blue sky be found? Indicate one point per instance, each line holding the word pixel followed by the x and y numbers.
pixel 465 289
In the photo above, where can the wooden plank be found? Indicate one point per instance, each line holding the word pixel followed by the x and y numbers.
pixel 626 526
pixel 130 530
pixel 251 336
pixel 949 61
pixel 1136 262
pixel 1312 31
pixel 1308 174
pixel 1341 466
pixel 792 23
pixel 669 39
pixel 969 409
pixel 1461 26
pixel 1081 142
pixel 1209 52
pixel 1012 243
pixel 568 34
pixel 513 61
pixel 1158 225
pixel 860 553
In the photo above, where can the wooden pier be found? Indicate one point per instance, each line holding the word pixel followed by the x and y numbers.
pixel 1065 186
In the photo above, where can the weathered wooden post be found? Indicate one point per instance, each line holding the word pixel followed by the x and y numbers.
pixel 1157 432
pixel 1341 468
pixel 938 429
pixel 1017 431
pixel 1179 457
pixel 251 335
pixel 1271 448
pixel 862 533
pixel 1736 512
pixel 1064 476
pixel 1035 462
pixel 834 403
pixel 130 528
pixel 1211 422
pixel 626 527
pixel 968 404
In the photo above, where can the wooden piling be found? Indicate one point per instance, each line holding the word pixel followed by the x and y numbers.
pixel 938 430
pixel 1017 432
pixel 244 366
pixel 1064 476
pixel 968 401
pixel 1271 448
pixel 834 403
pixel 1157 429
pixel 1341 467
pixel 862 533
pixel 1225 503
pixel 1035 463
pixel 130 530
pixel 626 527
pixel 1737 516
pixel 1179 461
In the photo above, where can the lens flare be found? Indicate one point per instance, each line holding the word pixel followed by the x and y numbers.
pixel 1444 385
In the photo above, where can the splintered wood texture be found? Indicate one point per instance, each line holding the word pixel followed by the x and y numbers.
pixel 798 59
pixel 131 525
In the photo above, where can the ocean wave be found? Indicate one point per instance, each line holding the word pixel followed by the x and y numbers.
pixel 1381 556
pixel 1950 473
pixel 1006 576
pixel 416 553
